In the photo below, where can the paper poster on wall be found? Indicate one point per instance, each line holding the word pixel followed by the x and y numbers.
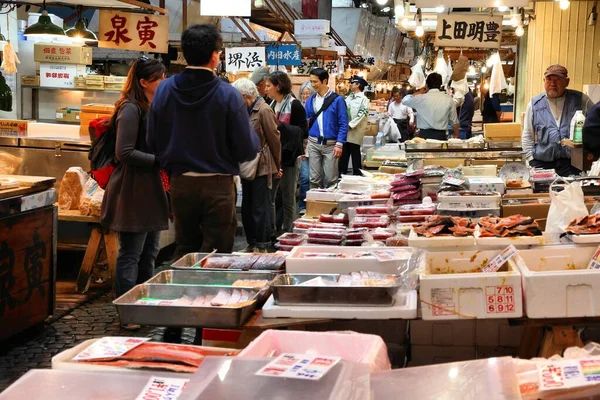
pixel 58 75
pixel 468 30
pixel 225 8
pixel 244 58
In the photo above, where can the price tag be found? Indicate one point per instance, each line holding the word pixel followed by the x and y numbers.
pixel 498 261
pixel 109 347
pixel 159 388
pixel 595 261
pixel 59 116
pixel 299 366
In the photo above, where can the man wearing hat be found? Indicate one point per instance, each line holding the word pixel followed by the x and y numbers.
pixel 358 115
pixel 548 120
pixel 259 77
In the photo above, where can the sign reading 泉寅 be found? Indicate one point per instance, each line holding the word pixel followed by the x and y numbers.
pixel 285 54
pixel 131 31
pixel 244 58
pixel 467 30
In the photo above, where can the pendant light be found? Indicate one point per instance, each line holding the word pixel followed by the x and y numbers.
pixel 80 30
pixel 44 26
pixel 419 31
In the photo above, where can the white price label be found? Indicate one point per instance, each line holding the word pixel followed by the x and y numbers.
pixel 299 366
pixel 159 388
pixel 109 347
pixel 500 259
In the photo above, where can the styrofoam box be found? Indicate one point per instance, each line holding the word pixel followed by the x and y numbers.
pixel 469 212
pixel 351 346
pixel 475 202
pixel 347 202
pixel 404 307
pixel 295 263
pixel 486 184
pixel 557 283
pixel 321 41
pixel 64 360
pixel 318 195
pixel 585 239
pixel 448 289
pixel 414 240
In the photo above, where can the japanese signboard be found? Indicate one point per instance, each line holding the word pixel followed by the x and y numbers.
pixel 62 53
pixel 286 54
pixel 59 75
pixel 467 30
pixel 226 8
pixel 311 27
pixel 13 128
pixel 307 65
pixel 130 31
pixel 244 58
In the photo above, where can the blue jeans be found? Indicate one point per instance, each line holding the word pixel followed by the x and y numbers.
pixel 135 262
pixel 304 182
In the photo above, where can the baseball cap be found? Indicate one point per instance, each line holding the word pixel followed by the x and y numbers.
pixel 259 75
pixel 359 80
pixel 557 70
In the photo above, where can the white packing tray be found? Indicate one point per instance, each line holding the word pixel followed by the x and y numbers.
pixel 322 196
pixel 507 241
pixel 294 263
pixel 557 283
pixel 405 307
pixel 469 294
pixel 414 240
pixel 469 202
pixel 348 201
pixel 64 360
pixel 585 239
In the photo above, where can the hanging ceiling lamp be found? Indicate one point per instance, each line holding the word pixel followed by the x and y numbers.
pixel 44 26
pixel 419 31
pixel 80 30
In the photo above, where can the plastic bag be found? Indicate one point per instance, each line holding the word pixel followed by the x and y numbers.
pixel 417 77
pixel 565 207
pixel 91 199
pixel 497 81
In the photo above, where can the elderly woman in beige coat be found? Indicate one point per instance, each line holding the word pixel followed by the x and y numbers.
pixel 256 202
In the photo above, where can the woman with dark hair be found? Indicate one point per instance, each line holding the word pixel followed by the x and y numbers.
pixel 135 202
pixel 291 118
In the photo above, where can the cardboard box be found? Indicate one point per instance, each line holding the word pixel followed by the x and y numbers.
pixel 372 129
pixel 428 355
pixel 497 333
pixel 66 114
pixel 90 112
pixel 315 208
pixel 62 54
pixel 486 184
pixel 442 333
pixel 30 80
pixel 535 210
pixel 502 132
pixel 13 128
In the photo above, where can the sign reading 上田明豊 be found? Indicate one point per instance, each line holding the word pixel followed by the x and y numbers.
pixel 284 54
pixel 244 58
pixel 132 31
pixel 466 30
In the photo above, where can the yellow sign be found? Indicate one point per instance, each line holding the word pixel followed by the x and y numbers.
pixel 13 128
pixel 131 31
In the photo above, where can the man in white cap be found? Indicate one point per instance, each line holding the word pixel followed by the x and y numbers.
pixel 548 121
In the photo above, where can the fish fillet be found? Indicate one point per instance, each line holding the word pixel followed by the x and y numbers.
pixel 221 299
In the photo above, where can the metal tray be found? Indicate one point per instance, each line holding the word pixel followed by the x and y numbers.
pixel 466 145
pixel 287 292
pixel 504 145
pixel 188 261
pixel 424 146
pixel 180 316
pixel 220 277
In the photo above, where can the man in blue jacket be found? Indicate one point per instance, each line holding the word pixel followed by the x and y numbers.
pixel 327 130
pixel 199 130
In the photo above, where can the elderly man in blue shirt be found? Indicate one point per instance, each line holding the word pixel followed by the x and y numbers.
pixel 435 109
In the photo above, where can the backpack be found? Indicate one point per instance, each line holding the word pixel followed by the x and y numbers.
pixel 103 134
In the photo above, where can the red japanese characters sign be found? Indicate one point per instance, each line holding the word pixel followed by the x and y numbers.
pixel 130 31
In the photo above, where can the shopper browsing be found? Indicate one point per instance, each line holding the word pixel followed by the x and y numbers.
pixel 199 128
pixel 256 193
pixel 358 114
pixel 259 78
pixel 291 120
pixel 401 114
pixel 135 202
pixel 305 92
pixel 548 120
pixel 435 109
pixel 328 128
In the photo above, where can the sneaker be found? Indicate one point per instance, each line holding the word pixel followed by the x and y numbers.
pixel 130 327
pixel 249 249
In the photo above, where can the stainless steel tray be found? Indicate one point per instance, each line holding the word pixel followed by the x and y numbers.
pixel 286 291
pixel 466 145
pixel 423 146
pixel 212 277
pixel 189 261
pixel 180 316
pixel 504 145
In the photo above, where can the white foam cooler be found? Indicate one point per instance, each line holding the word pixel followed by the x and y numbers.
pixel 557 283
pixel 450 287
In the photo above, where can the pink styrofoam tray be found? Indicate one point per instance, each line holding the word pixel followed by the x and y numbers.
pixel 351 346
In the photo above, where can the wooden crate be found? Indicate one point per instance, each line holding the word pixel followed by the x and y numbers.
pixel 27 269
pixel 92 111
pixel 502 132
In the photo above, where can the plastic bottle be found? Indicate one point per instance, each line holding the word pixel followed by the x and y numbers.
pixel 577 122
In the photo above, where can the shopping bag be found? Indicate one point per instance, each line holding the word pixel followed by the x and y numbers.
pixel 565 207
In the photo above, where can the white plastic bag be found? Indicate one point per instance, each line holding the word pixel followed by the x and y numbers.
pixel 391 131
pixel 417 77
pixel 497 82
pixel 565 207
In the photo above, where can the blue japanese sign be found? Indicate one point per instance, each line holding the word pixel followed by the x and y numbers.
pixel 283 54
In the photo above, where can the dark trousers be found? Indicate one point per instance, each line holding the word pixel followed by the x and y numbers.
pixel 463 133
pixel 304 183
pixel 136 258
pixel 562 166
pixel 350 150
pixel 403 128
pixel 256 211
pixel 433 134
pixel 204 209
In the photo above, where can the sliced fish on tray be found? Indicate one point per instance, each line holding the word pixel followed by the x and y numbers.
pixel 515 225
pixel 439 225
